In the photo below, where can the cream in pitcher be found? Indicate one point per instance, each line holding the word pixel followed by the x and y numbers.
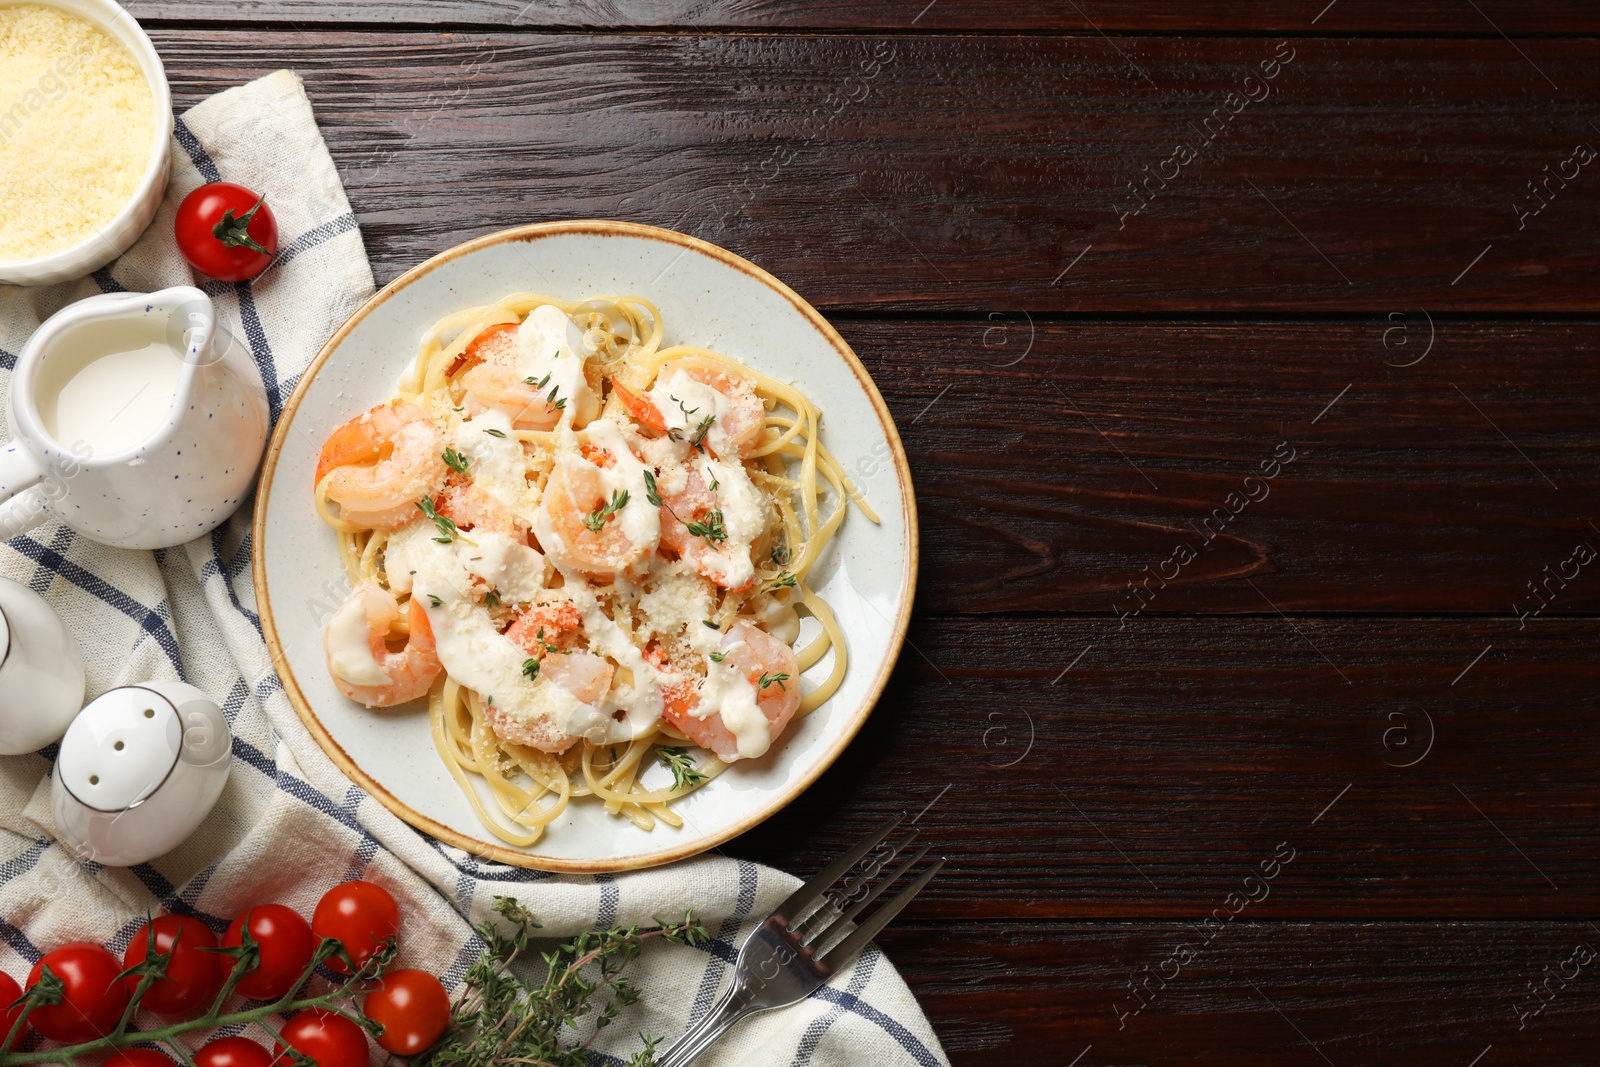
pixel 137 423
pixel 110 391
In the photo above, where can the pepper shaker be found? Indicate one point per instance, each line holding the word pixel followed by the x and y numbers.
pixel 140 769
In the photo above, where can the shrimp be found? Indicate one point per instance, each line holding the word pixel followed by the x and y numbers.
pixel 641 408
pixel 472 508
pixel 491 385
pixel 549 633
pixel 544 626
pixel 738 429
pixel 583 674
pixel 489 343
pixel 679 689
pixel 499 377
pixel 378 465
pixel 370 672
pixel 768 667
pixel 724 561
pixel 586 676
pixel 574 494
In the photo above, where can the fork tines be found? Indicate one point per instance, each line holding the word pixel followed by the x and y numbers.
pixel 821 913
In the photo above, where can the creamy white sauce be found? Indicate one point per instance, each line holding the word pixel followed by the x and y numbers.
pixel 505 564
pixel 550 343
pixel 742 517
pixel 728 692
pixel 640 702
pixel 778 619
pixel 471 650
pixel 349 645
pixel 111 402
pixel 497 464
pixel 684 403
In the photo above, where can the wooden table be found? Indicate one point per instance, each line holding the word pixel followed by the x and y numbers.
pixel 1247 358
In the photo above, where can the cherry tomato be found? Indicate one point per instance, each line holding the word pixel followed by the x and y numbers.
pixel 330 1039
pixel 138 1057
pixel 413 1008
pixel 361 916
pixel 286 944
pixel 232 1052
pixel 226 231
pixel 193 975
pixel 9 992
pixel 92 1000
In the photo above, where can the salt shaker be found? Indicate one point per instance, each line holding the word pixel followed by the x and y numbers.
pixel 139 769
pixel 41 672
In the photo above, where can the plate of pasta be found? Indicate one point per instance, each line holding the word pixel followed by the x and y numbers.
pixel 585 546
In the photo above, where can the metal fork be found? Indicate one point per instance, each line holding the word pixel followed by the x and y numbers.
pixel 809 937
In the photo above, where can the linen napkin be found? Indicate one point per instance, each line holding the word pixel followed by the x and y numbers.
pixel 290 824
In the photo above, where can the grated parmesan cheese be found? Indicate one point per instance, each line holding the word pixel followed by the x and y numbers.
pixel 77 120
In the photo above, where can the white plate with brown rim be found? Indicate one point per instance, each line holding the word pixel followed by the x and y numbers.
pixel 708 296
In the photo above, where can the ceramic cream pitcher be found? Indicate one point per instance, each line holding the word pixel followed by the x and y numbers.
pixel 138 422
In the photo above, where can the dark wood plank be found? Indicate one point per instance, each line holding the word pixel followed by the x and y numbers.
pixel 1267 994
pixel 1123 467
pixel 1215 16
pixel 1176 756
pixel 972 173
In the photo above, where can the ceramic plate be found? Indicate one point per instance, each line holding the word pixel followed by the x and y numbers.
pixel 708 297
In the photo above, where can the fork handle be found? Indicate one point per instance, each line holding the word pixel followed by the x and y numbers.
pixel 707 1029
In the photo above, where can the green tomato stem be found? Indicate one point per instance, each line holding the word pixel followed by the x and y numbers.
pixel 165 1034
pixel 17 1027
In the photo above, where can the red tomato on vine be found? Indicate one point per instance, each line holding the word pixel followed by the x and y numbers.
pixel 92 999
pixel 329 1038
pixel 194 973
pixel 413 1008
pixel 361 916
pixel 287 945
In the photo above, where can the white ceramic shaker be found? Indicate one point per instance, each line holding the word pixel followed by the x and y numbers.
pixel 41 672
pixel 139 769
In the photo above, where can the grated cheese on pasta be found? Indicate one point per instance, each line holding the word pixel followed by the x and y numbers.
pixel 77 120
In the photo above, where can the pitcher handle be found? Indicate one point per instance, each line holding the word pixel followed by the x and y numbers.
pixel 22 498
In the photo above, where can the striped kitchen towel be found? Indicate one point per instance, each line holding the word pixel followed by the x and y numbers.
pixel 290 825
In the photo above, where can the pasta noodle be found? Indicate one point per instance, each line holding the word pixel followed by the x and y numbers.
pixel 589 552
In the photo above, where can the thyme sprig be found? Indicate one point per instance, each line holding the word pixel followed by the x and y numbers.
pixel 699 438
pixel 443 523
pixel 596 519
pixel 651 493
pixel 503 1019
pixel 681 764
pixel 711 528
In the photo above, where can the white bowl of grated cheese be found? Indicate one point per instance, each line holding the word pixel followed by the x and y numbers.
pixel 85 137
